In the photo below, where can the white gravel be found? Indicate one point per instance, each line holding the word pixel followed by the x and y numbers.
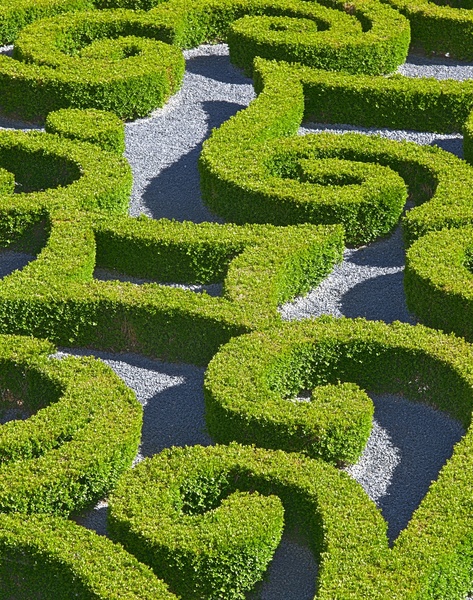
pixel 402 456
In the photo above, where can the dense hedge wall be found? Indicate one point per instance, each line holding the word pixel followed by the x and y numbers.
pixel 432 556
pixel 49 558
pixel 439 281
pixel 255 169
pixel 84 431
pixel 57 297
pixel 180 511
pixel 16 14
pixel 440 27
pixel 95 126
pixel 129 62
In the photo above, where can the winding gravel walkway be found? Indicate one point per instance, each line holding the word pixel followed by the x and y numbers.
pixel 401 457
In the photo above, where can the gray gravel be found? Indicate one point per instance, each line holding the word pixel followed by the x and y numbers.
pixel 402 455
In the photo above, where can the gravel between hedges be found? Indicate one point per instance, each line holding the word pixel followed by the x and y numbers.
pixel 402 456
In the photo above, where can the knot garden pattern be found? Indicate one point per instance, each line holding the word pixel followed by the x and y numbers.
pixel 204 522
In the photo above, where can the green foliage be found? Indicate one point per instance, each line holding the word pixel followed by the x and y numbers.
pixel 251 378
pixel 255 169
pixel 84 433
pixel 108 60
pixel 438 26
pixel 95 126
pixel 439 280
pixel 49 558
pixel 218 552
pixel 16 14
pixel 57 297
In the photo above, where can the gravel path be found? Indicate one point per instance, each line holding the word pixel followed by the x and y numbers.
pixel 402 456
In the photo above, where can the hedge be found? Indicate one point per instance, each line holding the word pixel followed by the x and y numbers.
pixel 53 172
pixel 57 297
pixel 50 558
pixel 95 126
pixel 107 60
pixel 16 14
pixel 84 431
pixel 438 280
pixel 255 169
pixel 185 512
pixel 127 61
pixel 432 557
pixel 438 27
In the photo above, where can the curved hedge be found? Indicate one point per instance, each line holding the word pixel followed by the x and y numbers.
pixel 53 172
pixel 95 126
pixel 107 60
pixel 84 431
pixel 125 62
pixel 432 558
pixel 250 383
pixel 55 559
pixel 57 297
pixel 181 509
pixel 255 169
pixel 439 281
pixel 440 27
pixel 16 14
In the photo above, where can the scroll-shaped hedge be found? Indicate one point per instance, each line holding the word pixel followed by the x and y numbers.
pixel 109 60
pixel 432 557
pixel 255 169
pixel 84 432
pixel 125 62
pixel 439 280
pixel 52 172
pixel 440 27
pixel 57 297
pixel 95 126
pixel 60 560
pixel 16 14
pixel 178 512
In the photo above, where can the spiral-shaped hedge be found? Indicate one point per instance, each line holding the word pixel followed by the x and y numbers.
pixel 204 522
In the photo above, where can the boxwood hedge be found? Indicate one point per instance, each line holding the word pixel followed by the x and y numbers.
pixel 50 558
pixel 84 431
pixel 16 14
pixel 255 169
pixel 432 557
pixel 181 510
pixel 56 296
pixel 439 281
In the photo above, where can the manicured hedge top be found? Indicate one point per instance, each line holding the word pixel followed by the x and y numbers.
pixel 60 560
pixel 432 556
pixel 254 168
pixel 57 297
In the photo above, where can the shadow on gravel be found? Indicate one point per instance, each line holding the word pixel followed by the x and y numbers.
pixel 378 299
pixel 388 252
pixel 175 192
pixel 425 438
pixel 216 69
pixel 453 145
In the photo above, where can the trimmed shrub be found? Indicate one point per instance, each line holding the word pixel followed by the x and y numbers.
pixel 49 558
pixel 84 431
pixel 468 139
pixel 95 126
pixel 185 511
pixel 440 27
pixel 53 172
pixel 438 280
pixel 56 296
pixel 106 60
pixel 16 14
pixel 255 169
pixel 432 557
